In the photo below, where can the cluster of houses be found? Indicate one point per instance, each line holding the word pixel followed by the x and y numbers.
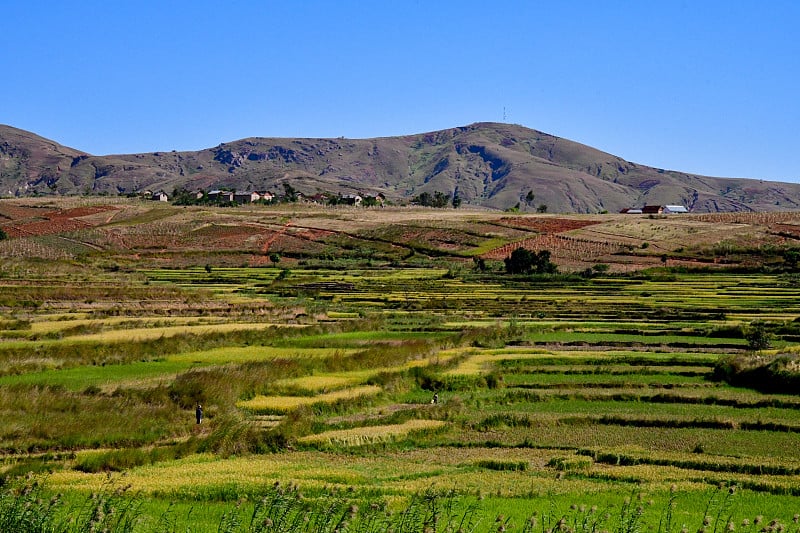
pixel 656 210
pixel 239 197
pixel 217 196
pixel 248 197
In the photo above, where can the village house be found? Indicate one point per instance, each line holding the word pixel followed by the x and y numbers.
pixel 245 197
pixel 160 196
pixel 375 199
pixel 350 199
pixel 267 196
pixel 318 198
pixel 656 210
pixel 220 196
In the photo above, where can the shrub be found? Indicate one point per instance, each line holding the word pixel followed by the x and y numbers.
pixel 757 336
pixel 92 390
pixel 494 380
pixel 426 379
pixel 18 325
pixel 777 374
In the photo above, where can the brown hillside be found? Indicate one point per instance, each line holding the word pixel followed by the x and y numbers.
pixel 485 164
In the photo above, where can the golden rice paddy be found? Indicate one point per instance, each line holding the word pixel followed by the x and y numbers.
pixel 372 434
pixel 284 404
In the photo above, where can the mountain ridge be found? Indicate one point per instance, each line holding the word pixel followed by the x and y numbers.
pixel 493 165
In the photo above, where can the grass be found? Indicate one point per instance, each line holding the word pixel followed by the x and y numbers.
pixel 285 507
pixel 552 392
pixel 151 373
pixel 78 379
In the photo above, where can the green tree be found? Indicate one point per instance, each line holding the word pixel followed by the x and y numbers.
pixel 3 235
pixel 542 263
pixel 542 208
pixel 440 199
pixel 289 192
pixel 437 199
pixel 757 336
pixel 519 262
pixel 791 257
pixel 523 261
pixel 530 197
pixel 424 199
pixel 456 200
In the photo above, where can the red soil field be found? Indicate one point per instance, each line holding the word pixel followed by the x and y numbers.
pixel 32 222
pixel 547 225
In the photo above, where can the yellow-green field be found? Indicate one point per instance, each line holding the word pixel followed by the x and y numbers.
pixel 359 362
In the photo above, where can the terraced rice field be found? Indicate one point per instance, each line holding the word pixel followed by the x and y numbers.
pixel 550 391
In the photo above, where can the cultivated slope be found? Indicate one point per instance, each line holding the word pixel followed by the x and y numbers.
pixel 487 164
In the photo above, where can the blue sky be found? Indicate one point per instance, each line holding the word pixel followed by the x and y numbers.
pixel 708 87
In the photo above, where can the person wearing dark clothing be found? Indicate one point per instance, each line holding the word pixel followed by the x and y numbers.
pixel 198 413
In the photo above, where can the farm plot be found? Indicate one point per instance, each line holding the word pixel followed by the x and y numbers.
pixel 536 403
pixel 643 403
pixel 385 380
pixel 710 295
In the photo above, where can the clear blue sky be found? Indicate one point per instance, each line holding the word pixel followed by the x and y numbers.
pixel 709 87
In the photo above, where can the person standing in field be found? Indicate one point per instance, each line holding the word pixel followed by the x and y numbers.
pixel 198 413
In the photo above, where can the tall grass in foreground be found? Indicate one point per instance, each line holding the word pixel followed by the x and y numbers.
pixel 26 507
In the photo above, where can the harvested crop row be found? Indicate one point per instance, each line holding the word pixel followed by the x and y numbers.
pixel 284 404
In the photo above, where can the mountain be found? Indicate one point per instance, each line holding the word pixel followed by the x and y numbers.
pixel 486 164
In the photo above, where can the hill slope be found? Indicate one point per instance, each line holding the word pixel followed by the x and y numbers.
pixel 486 164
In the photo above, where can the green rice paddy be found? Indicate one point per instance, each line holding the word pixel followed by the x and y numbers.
pixel 547 392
